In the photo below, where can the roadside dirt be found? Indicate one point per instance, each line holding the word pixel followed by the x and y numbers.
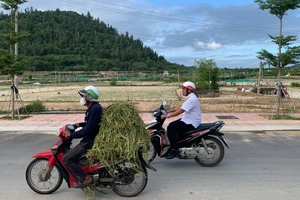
pixel 148 96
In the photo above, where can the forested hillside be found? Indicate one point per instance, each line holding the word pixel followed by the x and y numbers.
pixel 65 40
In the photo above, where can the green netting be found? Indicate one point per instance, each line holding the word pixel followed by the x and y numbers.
pixel 241 80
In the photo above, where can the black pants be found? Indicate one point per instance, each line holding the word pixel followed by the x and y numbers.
pixel 177 127
pixel 71 159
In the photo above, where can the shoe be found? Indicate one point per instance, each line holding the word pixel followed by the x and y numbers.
pixel 86 181
pixel 172 153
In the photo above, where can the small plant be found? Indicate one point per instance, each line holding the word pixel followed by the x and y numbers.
pixel 3 112
pixel 293 84
pixel 113 82
pixel 36 106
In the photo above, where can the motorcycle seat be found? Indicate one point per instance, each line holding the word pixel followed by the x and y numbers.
pixel 203 126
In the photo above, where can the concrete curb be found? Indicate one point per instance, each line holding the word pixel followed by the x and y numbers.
pixel 260 128
pixel 224 129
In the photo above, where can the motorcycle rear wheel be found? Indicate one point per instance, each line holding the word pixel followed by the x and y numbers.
pixel 215 155
pixel 34 172
pixel 136 185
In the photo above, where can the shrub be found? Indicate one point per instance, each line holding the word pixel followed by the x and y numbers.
pixel 36 106
pixel 113 82
pixel 293 84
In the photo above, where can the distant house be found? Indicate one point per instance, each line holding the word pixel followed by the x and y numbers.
pixel 165 74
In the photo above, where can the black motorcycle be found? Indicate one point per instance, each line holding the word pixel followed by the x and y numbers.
pixel 205 144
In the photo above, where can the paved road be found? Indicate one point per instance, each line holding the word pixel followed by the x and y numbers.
pixel 258 166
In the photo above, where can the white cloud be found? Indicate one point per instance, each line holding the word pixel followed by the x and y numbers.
pixel 210 45
pixel 200 44
pixel 214 45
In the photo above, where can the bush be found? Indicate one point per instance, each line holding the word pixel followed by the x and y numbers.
pixel 293 84
pixel 36 106
pixel 113 82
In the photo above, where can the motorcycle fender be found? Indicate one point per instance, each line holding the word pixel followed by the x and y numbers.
pixel 220 137
pixel 156 141
pixel 48 155
pixel 143 162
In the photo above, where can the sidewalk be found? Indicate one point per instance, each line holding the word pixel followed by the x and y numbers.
pixel 233 122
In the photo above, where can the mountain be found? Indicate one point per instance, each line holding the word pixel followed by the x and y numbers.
pixel 66 40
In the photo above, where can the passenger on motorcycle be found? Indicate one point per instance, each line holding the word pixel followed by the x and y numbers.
pixel 190 120
pixel 90 128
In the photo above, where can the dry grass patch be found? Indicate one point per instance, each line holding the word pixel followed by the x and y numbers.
pixel 145 96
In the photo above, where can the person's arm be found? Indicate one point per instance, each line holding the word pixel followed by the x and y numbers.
pixel 173 110
pixel 93 123
pixel 173 113
pixel 79 124
pixel 76 125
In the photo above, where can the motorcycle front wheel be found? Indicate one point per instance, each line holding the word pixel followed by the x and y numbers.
pixel 36 172
pixel 133 182
pixel 214 155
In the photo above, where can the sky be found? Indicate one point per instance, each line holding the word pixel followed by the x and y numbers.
pixel 230 32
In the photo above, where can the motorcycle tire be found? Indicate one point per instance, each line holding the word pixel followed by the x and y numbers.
pixel 151 154
pixel 126 189
pixel 35 170
pixel 216 148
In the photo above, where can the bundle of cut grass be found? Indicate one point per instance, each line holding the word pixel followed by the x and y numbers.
pixel 122 133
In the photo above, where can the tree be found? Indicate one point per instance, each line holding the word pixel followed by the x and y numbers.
pixel 292 54
pixel 206 74
pixel 8 62
pixel 13 6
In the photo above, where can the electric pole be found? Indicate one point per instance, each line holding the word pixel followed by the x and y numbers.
pixel 259 78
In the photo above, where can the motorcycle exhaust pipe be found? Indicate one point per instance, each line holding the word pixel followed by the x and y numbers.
pixel 188 152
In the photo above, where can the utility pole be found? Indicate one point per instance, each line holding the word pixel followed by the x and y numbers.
pixel 178 78
pixel 259 78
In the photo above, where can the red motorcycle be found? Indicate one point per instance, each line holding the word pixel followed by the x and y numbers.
pixel 205 144
pixel 46 172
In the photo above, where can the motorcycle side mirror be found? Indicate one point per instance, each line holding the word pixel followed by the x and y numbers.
pixel 164 102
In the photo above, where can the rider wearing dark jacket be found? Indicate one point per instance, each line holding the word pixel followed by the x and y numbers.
pixel 91 124
pixel 90 128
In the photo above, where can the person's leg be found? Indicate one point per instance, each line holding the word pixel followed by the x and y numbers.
pixel 184 128
pixel 70 160
pixel 171 132
pixel 176 127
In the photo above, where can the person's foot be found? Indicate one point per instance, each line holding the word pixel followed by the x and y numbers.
pixel 172 153
pixel 87 180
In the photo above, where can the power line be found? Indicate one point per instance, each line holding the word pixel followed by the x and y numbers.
pixel 169 18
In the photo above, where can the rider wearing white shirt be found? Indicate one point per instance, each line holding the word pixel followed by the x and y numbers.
pixel 192 112
pixel 190 120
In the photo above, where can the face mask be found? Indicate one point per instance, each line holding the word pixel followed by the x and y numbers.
pixel 82 101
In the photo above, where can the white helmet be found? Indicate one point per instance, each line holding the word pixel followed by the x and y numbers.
pixel 189 85
pixel 90 93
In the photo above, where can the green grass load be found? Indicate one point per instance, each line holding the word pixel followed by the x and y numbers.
pixel 122 132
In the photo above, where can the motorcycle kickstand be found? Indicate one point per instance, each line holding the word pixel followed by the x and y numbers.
pixel 204 144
